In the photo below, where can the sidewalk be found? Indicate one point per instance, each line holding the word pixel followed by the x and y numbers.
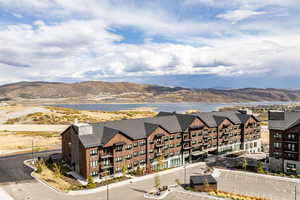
pixel 136 179
pixel 4 195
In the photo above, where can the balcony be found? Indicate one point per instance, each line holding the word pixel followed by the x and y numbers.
pixel 157 154
pixel 186 147
pixel 106 166
pixel 187 139
pixel 159 144
pixel 107 155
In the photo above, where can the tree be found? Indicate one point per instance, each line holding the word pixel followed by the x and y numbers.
pixel 124 169
pixel 244 163
pixel 157 181
pixel 57 170
pixel 160 161
pixel 260 167
pixel 91 183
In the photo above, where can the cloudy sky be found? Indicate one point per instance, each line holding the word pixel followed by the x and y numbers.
pixel 191 43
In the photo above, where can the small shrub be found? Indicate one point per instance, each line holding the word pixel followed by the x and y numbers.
pixel 91 183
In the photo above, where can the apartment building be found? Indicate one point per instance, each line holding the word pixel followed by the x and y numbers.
pixel 284 130
pixel 101 149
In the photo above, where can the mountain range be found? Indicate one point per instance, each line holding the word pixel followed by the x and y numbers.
pixel 125 92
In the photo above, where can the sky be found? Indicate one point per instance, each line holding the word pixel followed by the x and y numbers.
pixel 187 43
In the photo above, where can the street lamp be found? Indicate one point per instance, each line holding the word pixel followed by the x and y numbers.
pixel 107 191
pixel 185 173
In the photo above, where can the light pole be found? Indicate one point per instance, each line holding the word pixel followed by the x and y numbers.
pixel 295 191
pixel 32 150
pixel 184 173
pixel 107 192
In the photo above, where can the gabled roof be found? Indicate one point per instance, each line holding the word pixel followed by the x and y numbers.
pixel 135 129
pixel 290 120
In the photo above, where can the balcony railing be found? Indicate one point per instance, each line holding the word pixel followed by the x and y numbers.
pixel 159 144
pixel 187 139
pixel 106 156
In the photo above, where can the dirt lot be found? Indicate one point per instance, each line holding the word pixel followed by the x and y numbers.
pixel 21 125
pixel 23 140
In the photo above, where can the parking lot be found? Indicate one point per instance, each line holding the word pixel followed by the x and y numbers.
pixel 275 188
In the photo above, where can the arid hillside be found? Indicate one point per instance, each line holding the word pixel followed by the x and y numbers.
pixel 124 92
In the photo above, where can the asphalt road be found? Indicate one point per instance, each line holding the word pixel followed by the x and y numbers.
pixel 13 170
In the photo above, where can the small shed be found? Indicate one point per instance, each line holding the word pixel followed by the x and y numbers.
pixel 203 183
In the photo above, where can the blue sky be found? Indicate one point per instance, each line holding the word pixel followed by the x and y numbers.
pixel 189 43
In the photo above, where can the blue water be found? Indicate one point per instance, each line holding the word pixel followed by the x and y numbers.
pixel 170 107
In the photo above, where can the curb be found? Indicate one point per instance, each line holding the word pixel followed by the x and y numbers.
pixel 40 180
pixel 113 185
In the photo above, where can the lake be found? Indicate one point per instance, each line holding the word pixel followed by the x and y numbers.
pixel 169 107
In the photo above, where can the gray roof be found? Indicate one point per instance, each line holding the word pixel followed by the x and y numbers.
pixel 140 128
pixel 131 128
pixel 290 120
pixel 200 180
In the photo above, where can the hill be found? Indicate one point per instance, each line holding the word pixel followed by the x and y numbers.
pixel 125 92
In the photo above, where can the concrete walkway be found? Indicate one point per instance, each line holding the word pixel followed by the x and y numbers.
pixel 4 195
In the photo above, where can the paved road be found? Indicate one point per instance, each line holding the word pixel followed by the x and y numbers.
pixel 13 170
pixel 34 190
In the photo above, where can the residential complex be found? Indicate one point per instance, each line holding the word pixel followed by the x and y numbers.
pixel 167 140
pixel 284 141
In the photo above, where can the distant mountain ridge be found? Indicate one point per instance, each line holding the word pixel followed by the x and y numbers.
pixel 100 91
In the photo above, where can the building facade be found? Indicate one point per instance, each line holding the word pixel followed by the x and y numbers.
pixel 284 148
pixel 165 141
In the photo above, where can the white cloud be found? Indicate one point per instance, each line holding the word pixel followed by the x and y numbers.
pixel 68 46
pixel 238 15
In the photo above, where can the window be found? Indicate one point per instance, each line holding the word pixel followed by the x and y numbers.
pixel 94 173
pixel 93 152
pixel 194 142
pixel 135 154
pixel 277 145
pixel 151 150
pixel 94 163
pixel 178 136
pixel 142 162
pixel 119 148
pixel 200 141
pixel 166 138
pixel 277 155
pixel 291 136
pixel 135 144
pixel 171 145
pixel 129 156
pixel 151 142
pixel 199 134
pixel 277 136
pixel 142 143
pixel 118 169
pixel 178 144
pixel 291 147
pixel 119 159
pixel 194 135
pixel 128 147
pixel 172 137
pixel 166 146
pixel 106 162
pixel 142 152
pixel 291 167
